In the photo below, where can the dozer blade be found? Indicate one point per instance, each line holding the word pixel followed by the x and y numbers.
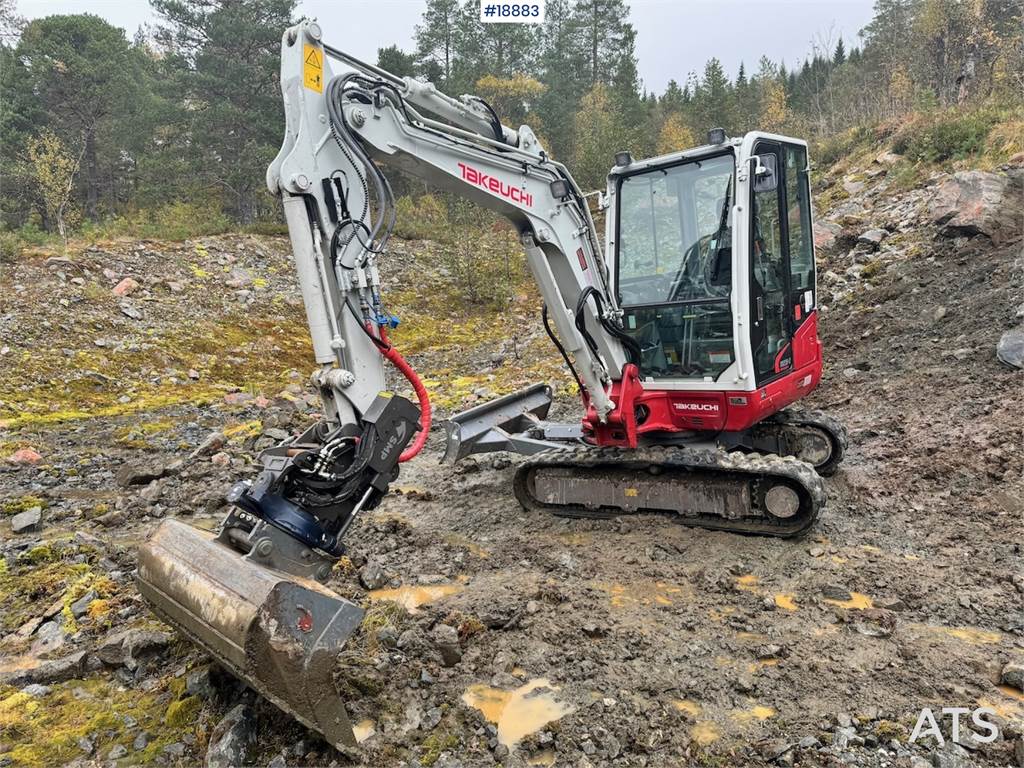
pixel 280 633
pixel 498 425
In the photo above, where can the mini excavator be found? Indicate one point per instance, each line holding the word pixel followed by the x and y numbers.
pixel 690 335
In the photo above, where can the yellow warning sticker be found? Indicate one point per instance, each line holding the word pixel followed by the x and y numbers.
pixel 313 68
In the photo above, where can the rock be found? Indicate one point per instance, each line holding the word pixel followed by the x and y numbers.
pixel 1013 675
pixel 232 739
pixel 817 551
pixel 1010 349
pixel 126 287
pixel 221 459
pixel 27 521
pixel 128 309
pixel 446 640
pixel 111 519
pixel 49 671
pixel 117 752
pixel 50 637
pixel 851 373
pixel 212 443
pixel 372 576
pixel 177 749
pixel 199 682
pixel 278 762
pixel 141 741
pixel 36 690
pixel 152 492
pixel 939 313
pixel 120 647
pixel 81 606
pixel 238 398
pixel 873 237
pixel 85 745
pixel 139 473
pixel 980 202
pixel 24 457
pixel 853 187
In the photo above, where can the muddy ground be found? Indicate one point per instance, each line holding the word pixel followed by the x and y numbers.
pixel 631 642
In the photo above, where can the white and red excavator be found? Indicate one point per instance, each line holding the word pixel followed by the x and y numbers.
pixel 689 333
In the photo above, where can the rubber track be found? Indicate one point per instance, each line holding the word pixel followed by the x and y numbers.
pixel 802 417
pixel 754 466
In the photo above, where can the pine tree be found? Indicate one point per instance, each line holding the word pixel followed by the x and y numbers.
pixel 435 38
pixel 396 61
pixel 839 55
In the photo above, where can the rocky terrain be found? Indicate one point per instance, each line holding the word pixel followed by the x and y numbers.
pixel 140 379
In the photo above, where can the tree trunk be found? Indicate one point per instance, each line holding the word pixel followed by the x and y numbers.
pixel 91 176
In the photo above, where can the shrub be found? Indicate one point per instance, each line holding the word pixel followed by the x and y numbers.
pixel 934 138
pixel 424 218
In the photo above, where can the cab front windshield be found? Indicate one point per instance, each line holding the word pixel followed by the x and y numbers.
pixel 675 266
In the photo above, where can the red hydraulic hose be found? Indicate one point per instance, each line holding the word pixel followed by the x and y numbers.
pixel 400 363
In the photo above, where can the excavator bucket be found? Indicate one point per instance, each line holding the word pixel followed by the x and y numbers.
pixel 499 425
pixel 278 632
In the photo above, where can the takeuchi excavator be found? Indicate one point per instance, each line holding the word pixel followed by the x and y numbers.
pixel 689 335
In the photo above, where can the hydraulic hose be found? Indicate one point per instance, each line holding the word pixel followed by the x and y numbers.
pixel 396 359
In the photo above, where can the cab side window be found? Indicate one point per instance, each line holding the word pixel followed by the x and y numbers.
pixel 798 218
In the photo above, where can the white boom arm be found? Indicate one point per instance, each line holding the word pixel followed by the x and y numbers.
pixel 337 125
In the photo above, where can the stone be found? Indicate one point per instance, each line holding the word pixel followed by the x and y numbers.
pixel 50 637
pixel 85 745
pixel 128 309
pixel 232 739
pixel 141 741
pixel 852 187
pixel 278 762
pixel 120 647
pixel 81 606
pixel 177 749
pixel 199 682
pixel 126 287
pixel 873 237
pixel 221 459
pixel 117 752
pixel 49 671
pixel 36 690
pixel 27 521
pixel 980 202
pixel 446 640
pixel 137 473
pixel 1010 349
pixel 24 457
pixel 212 443
pixel 372 576
pixel 1013 675
pixel 939 313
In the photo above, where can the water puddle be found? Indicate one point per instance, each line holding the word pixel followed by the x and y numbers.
pixel 705 732
pixel 857 602
pixel 786 601
pixel 363 730
pixel 747 583
pixel 517 713
pixel 1010 708
pixel 412 597
pixel 970 635
pixel 658 593
pixel 691 708
pixel 755 713
pixel 545 757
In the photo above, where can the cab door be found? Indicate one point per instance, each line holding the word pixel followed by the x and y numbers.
pixel 781 259
pixel 770 332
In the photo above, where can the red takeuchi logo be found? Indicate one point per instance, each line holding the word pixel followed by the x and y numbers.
pixel 495 185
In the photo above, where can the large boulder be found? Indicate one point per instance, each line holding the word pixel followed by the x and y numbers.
pixel 826 233
pixel 980 203
pixel 1010 349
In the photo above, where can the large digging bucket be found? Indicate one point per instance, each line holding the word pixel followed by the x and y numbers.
pixel 498 425
pixel 280 633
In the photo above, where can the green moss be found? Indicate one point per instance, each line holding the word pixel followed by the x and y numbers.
pixel 435 744
pixel 183 711
pixel 41 553
pixel 22 503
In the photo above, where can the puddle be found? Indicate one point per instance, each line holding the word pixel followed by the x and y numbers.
pixel 517 713
pixel 1010 708
pixel 705 732
pixel 412 597
pixel 857 602
pixel 691 708
pixel 545 757
pixel 971 635
pixel 756 713
pixel 754 666
pixel 747 583
pixel 455 540
pixel 658 593
pixel 364 729
pixel 786 601
pixel 719 614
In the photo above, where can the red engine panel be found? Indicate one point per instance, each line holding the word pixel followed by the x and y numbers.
pixel 642 410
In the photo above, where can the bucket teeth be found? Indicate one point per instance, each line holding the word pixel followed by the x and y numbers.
pixel 281 634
